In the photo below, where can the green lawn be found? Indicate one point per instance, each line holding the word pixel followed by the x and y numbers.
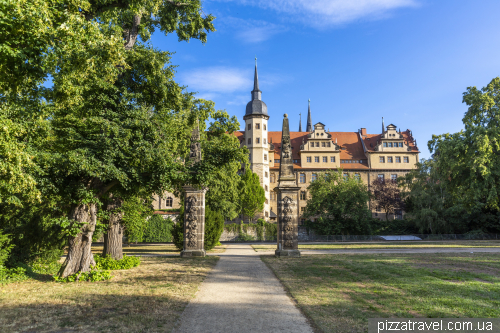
pixel 154 249
pixel 340 292
pixel 384 245
pixel 147 298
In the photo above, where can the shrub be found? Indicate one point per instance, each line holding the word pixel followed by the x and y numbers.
pixel 5 248
pixel 245 237
pixel 97 273
pixel 158 230
pixel 113 264
pixel 214 226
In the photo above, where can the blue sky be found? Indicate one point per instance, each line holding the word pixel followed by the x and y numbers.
pixel 408 61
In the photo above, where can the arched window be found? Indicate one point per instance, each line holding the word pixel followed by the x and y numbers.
pixel 169 202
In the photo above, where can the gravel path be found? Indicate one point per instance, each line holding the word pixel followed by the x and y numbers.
pixel 241 295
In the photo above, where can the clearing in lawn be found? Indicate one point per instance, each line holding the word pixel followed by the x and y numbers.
pixel 385 245
pixel 340 292
pixel 148 298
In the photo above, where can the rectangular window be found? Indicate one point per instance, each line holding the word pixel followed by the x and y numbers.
pixel 267 214
pixel 399 214
pixel 273 196
pixel 394 178
pixel 276 161
pixel 381 177
pixel 357 176
pixel 316 159
pixel 272 178
pixel 308 159
pixel 302 209
pixel 325 159
pixel 328 144
pixel 312 144
pixel 249 126
pixel 313 177
pixel 317 144
pixel 346 175
pixel 385 144
pixel 401 144
pixel 323 144
pixel 265 141
pixel 389 159
pixel 265 186
pixel 398 159
pixel 249 141
pixel 265 127
pixel 296 161
pixel 267 201
pixel 302 178
pixel 378 209
pixel 265 157
pixel 390 144
pixel 302 195
pixel 332 159
pixel 382 159
pixel 257 126
pixel 266 174
pixel 406 159
pixel 257 140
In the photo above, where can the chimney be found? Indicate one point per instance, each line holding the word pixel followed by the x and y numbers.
pixel 363 131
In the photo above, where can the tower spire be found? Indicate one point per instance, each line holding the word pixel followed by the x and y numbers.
pixel 300 122
pixel 256 93
pixel 309 121
pixel 383 127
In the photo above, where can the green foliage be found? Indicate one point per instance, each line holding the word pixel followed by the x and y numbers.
pixel 178 230
pixel 252 195
pixel 158 229
pixel 468 161
pixel 214 226
pixel 14 274
pixel 338 205
pixel 95 274
pixel 264 230
pixel 109 263
pixel 244 237
pixel 5 248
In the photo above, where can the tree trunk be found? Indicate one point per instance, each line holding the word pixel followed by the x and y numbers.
pixel 80 256
pixel 113 239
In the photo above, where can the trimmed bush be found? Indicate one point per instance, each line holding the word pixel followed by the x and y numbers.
pixel 158 230
pixel 113 264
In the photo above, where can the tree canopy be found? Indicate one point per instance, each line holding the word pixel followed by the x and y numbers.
pixel 338 205
pixel 252 195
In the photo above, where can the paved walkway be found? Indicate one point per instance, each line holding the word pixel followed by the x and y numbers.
pixel 241 295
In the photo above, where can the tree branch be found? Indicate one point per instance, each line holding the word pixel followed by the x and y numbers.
pixel 130 35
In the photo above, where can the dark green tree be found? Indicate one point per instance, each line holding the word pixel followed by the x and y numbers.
pixel 252 195
pixel 339 205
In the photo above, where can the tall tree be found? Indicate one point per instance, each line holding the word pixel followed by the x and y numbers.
pixel 252 195
pixel 387 196
pixel 469 160
pixel 338 205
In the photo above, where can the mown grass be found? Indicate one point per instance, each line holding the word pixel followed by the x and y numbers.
pixel 154 249
pixel 385 245
pixel 340 292
pixel 147 298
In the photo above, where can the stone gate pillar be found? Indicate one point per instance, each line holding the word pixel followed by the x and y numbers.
pixel 194 222
pixel 288 198
pixel 194 207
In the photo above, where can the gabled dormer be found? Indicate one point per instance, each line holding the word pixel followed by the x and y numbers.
pixel 391 140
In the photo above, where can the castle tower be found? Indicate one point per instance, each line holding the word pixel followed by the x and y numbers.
pixel 256 139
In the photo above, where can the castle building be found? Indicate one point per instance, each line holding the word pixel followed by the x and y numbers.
pixel 387 155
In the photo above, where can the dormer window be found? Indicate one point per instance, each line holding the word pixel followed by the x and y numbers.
pixel 317 144
pixel 385 144
pixel 328 144
pixel 323 144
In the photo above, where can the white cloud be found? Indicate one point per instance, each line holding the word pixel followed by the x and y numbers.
pixel 322 13
pixel 217 79
pixel 253 31
pixel 239 100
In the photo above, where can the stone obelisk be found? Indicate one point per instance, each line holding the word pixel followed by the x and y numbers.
pixel 194 207
pixel 288 197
